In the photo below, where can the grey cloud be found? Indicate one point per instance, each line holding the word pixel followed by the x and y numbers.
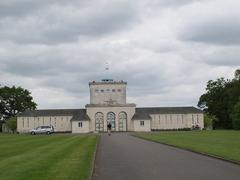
pixel 213 55
pixel 61 24
pixel 224 57
pixel 57 48
pixel 19 9
pixel 220 32
pixel 46 65
pixel 171 3
pixel 210 23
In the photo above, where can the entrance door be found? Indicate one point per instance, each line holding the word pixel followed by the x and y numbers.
pixel 99 121
pixel 122 121
pixel 111 119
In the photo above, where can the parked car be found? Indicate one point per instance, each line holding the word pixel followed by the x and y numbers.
pixel 42 130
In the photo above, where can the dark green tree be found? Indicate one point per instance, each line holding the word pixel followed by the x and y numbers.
pixel 14 100
pixel 213 102
pixel 11 123
pixel 236 116
pixel 220 98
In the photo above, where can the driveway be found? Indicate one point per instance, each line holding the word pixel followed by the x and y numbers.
pixel 123 157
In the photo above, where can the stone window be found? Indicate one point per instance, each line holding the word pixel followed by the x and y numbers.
pixel 111 118
pixel 122 121
pixel 80 124
pixel 102 90
pixel 141 123
pixel 99 121
pixel 119 90
pixel 113 90
pixel 96 90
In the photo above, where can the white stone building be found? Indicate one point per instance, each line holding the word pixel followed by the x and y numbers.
pixel 108 104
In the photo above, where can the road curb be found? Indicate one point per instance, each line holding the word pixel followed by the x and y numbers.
pixel 190 150
pixel 94 159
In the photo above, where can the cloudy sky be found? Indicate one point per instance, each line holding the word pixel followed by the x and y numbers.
pixel 165 49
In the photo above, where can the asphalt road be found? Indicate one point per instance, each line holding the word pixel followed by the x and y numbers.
pixel 123 157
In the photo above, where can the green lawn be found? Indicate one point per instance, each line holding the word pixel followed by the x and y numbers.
pixel 46 157
pixel 225 144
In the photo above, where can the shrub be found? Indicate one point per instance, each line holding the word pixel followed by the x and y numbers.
pixel 235 115
pixel 11 123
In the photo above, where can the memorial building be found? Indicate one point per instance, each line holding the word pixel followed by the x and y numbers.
pixel 108 104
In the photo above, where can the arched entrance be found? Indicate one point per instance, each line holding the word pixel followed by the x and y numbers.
pixel 99 121
pixel 122 121
pixel 111 118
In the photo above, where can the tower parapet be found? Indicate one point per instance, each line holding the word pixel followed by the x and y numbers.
pixel 108 92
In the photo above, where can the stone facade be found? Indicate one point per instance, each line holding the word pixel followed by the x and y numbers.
pixel 60 123
pixel 108 104
pixel 108 92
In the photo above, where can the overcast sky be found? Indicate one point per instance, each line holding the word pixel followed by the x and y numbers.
pixel 166 50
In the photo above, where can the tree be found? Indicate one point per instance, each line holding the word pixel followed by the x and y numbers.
pixel 14 100
pixel 236 116
pixel 209 121
pixel 1 125
pixel 237 74
pixel 220 98
pixel 12 124
pixel 213 102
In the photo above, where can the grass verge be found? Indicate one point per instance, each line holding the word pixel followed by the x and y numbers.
pixel 224 144
pixel 46 157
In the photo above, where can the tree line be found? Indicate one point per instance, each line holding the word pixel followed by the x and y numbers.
pixel 221 102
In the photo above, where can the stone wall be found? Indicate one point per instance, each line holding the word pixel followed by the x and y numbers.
pixel 176 121
pixel 60 123
pixel 142 125
pixel 80 126
pixel 130 111
pixel 114 93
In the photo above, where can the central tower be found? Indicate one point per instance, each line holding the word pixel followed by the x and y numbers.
pixel 108 104
pixel 108 92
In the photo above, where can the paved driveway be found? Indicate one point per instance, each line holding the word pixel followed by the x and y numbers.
pixel 123 157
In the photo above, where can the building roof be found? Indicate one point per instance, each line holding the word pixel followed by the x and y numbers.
pixel 81 115
pixel 77 114
pixel 144 113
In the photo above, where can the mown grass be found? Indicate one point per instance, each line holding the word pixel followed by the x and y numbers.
pixel 224 144
pixel 46 157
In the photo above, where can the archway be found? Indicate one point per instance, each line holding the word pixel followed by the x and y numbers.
pixel 111 118
pixel 99 121
pixel 122 121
